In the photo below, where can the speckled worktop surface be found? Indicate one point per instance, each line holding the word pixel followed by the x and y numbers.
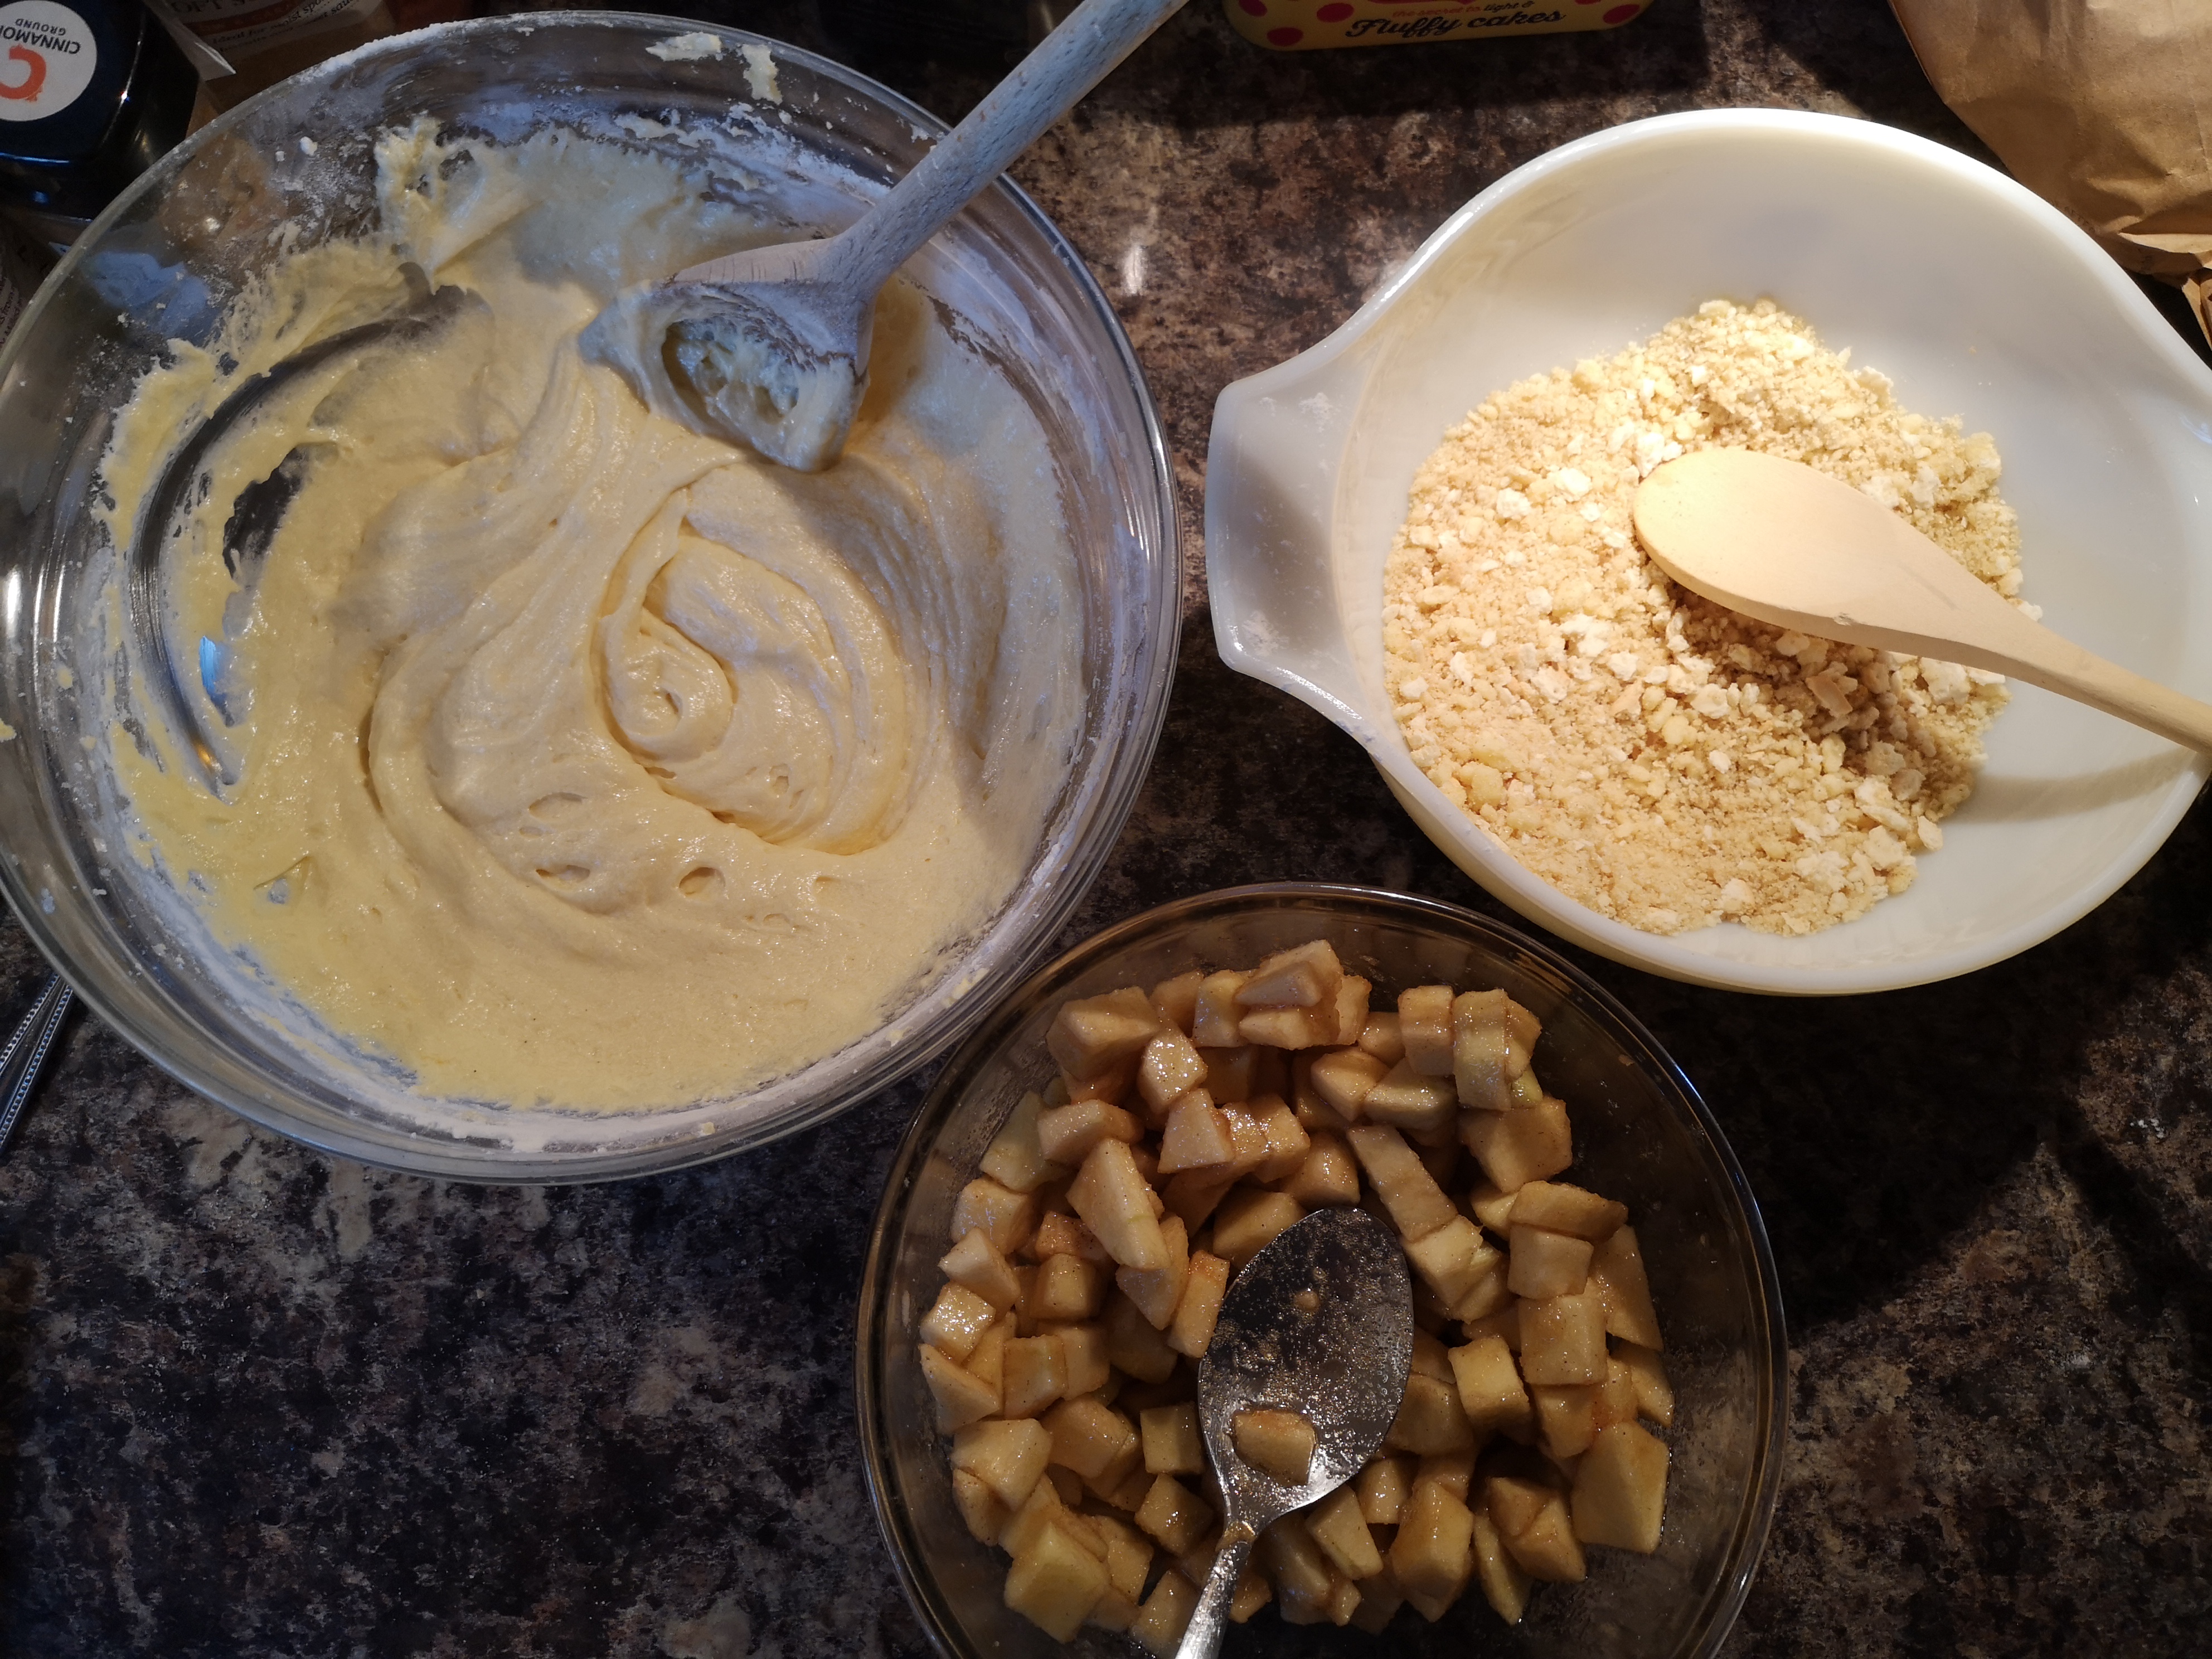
pixel 254 1402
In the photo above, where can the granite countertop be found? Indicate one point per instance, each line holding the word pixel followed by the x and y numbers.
pixel 256 1403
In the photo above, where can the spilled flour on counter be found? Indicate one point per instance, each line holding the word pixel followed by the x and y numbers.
pixel 1657 757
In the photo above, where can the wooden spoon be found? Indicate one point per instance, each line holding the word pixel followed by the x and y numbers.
pixel 1788 545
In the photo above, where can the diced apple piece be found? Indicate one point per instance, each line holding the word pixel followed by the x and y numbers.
pixel 1007 1455
pixel 1214 1017
pixel 1430 1420
pixel 1088 1437
pixel 1286 1028
pixel 1003 1215
pixel 1621 1490
pixel 1563 1338
pixel 1036 1374
pixel 1417 1205
pixel 1175 1000
pixel 1342 1077
pixel 1546 1547
pixel 1287 1142
pixel 975 1265
pixel 1431 1358
pixel 1167 1613
pixel 1157 1293
pixel 1314 1114
pixel 1618 1269
pixel 980 1507
pixel 1047 1506
pixel 1521 1145
pixel 962 1398
pixel 1116 1203
pixel 1197 1562
pixel 1054 1583
pixel 1328 1178
pixel 1306 976
pixel 1432 1556
pixel 1204 1285
pixel 1171 1067
pixel 1558 1207
pixel 1454 1471
pixel 1351 999
pixel 1424 1028
pixel 1128 1555
pixel 1337 1525
pixel 957 1322
pixel 1248 1220
pixel 1514 1502
pixel 1083 1352
pixel 1379 1035
pixel 1253 1592
pixel 1110 1087
pixel 1171 1440
pixel 1300 1573
pixel 1504 1324
pixel 1655 1396
pixel 986 1359
pixel 1230 1072
pixel 1380 1598
pixel 1133 1345
pixel 1565 1418
pixel 1115 1612
pixel 1068 1289
pixel 1058 1234
pixel 1014 1159
pixel 1194 1193
pixel 1505 1585
pixel 1491 1391
pixel 1453 1259
pixel 1616 1396
pixel 1197 1136
pixel 1279 1444
pixel 1493 1208
pixel 1383 1487
pixel 1479 1051
pixel 1410 1100
pixel 1546 1263
pixel 1092 1035
pixel 1068 1132
pixel 1173 1515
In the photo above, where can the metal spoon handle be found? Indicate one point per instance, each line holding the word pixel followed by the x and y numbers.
pixel 25 1056
pixel 1070 61
pixel 1202 1638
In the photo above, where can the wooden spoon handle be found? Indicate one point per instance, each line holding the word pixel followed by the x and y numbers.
pixel 2028 651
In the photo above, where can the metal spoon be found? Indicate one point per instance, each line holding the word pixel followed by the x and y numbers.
pixel 25 1056
pixel 1319 1322
pixel 771 346
pixel 1778 541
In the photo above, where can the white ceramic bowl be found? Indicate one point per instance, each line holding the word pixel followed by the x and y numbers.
pixel 1975 296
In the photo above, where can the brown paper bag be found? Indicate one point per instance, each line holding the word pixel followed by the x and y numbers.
pixel 2103 108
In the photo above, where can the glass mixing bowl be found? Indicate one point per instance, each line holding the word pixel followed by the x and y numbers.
pixel 1641 1135
pixel 293 168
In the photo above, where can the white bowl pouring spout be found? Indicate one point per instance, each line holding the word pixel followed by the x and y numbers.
pixel 1975 297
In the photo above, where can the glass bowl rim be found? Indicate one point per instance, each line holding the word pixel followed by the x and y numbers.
pixel 1090 841
pixel 1723 1600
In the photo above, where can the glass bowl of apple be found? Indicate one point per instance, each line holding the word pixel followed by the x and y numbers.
pixel 1587 1453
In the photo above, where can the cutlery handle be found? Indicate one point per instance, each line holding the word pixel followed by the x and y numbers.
pixel 1202 1638
pixel 2033 653
pixel 25 1056
pixel 1070 61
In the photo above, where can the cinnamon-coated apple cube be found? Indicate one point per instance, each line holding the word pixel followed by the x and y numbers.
pixel 1207 1282
pixel 1505 1585
pixel 1088 1436
pixel 1173 1515
pixel 1113 1612
pixel 986 1359
pixel 1453 1471
pixel 1493 1208
pixel 1314 1114
pixel 1197 1562
pixel 1343 1599
pixel 1336 1525
pixel 1520 1146
pixel 1545 1263
pixel 1566 1419
pixel 1453 1259
pixel 1479 1051
pixel 1352 1000
pixel 1504 1324
pixel 1431 1558
pixel 1175 1000
pixel 1193 1195
pixel 1382 1488
pixel 1171 1440
pixel 1002 1215
pixel 962 1398
pixel 1068 1132
pixel 1431 1358
pixel 1112 1086
pixel 1046 1506
pixel 1247 1135
pixel 1558 1207
pixel 1249 1219
pixel 1115 1202
pixel 1128 1492
pixel 1491 1391
pixel 1286 1028
pixel 1014 1158
pixel 1655 1396
pixel 1416 1204
pixel 1133 1345
pixel 1305 976
pixel 1287 1140
pixel 1060 1234
pixel 1196 1137
pixel 1253 1592
pixel 975 1265
pixel 1279 1444
pixel 1380 1598
pixel 1171 1067
pixel 1068 1289
pixel 1297 1569
pixel 1514 1502
pixel 1621 1490
pixel 1488 1294
pixel 1563 1338
pixel 1128 1555
pixel 1343 1077
pixel 1215 1015
pixel 1618 1272
pixel 1160 1628
pixel 1424 1028
pixel 1545 1547
pixel 1430 1420
pixel 1328 1177
pixel 1083 1353
pixel 1409 1100
pixel 1054 1583
pixel 1156 1293
pixel 1006 1454
pixel 1229 1073
pixel 1616 1396
pixel 1379 1035
pixel 1092 1035
pixel 957 1322
pixel 1036 1374
pixel 980 1507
